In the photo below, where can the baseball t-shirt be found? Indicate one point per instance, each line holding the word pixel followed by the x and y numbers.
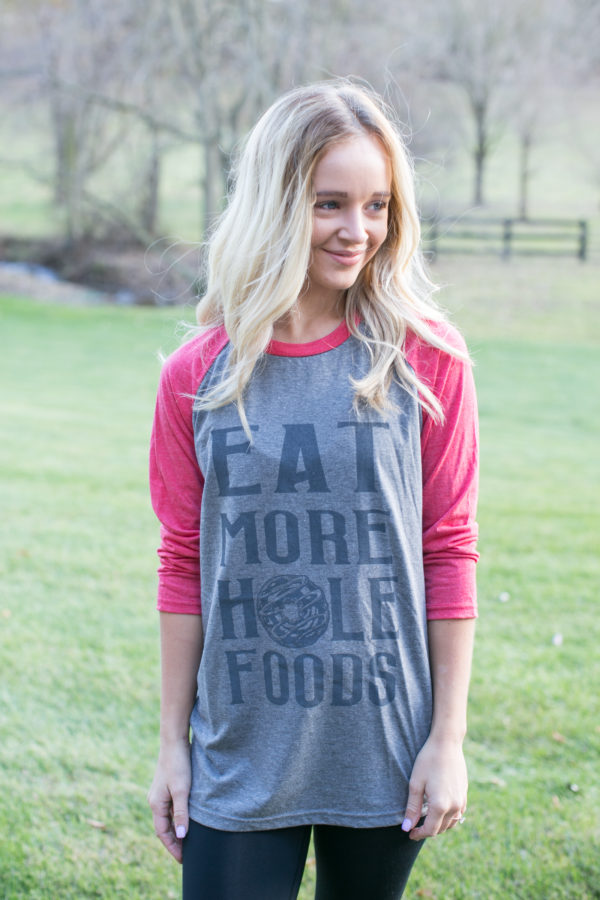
pixel 315 554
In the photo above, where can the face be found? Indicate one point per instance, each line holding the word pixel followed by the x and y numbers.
pixel 352 183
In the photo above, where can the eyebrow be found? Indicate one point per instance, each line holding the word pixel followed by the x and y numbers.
pixel 344 194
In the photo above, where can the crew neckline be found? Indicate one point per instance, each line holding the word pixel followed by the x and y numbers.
pixel 311 348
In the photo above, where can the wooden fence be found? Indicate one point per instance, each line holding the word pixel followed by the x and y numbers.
pixel 506 237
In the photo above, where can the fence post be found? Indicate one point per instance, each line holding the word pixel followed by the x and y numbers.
pixel 583 240
pixel 506 238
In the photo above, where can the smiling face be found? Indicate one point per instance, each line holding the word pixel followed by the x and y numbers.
pixel 352 183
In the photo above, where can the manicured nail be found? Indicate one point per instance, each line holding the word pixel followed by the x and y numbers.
pixel 406 825
pixel 180 831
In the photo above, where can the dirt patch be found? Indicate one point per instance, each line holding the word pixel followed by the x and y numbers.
pixel 166 273
pixel 38 286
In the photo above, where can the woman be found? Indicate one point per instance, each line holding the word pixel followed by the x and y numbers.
pixel 317 441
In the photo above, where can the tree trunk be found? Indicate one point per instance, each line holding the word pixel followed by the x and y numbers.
pixel 479 157
pixel 150 198
pixel 212 192
pixel 524 175
pixel 480 152
pixel 70 166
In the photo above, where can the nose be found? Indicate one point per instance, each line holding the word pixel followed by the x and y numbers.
pixel 353 228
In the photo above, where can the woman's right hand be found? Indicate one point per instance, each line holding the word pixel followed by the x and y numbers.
pixel 168 796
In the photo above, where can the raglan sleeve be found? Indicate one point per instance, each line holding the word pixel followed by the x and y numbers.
pixel 176 484
pixel 450 469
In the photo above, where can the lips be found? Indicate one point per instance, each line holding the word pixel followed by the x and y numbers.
pixel 346 257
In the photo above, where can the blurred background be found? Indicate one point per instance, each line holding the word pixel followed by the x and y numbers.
pixel 119 119
pixel 117 123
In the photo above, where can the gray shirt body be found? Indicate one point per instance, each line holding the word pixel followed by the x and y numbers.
pixel 314 691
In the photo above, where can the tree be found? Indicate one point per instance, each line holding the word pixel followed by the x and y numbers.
pixel 79 46
pixel 123 81
pixel 232 58
pixel 530 83
pixel 476 50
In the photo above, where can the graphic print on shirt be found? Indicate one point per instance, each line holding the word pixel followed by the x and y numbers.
pixel 293 610
pixel 354 652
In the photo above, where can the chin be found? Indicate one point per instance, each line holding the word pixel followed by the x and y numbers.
pixel 341 286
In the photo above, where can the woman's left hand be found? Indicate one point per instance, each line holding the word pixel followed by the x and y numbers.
pixel 439 776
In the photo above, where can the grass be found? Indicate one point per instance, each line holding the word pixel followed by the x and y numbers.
pixel 77 640
pixel 78 634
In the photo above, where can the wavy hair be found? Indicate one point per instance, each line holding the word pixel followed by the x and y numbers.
pixel 259 253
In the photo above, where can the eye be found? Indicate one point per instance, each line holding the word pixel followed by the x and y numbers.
pixel 378 205
pixel 326 204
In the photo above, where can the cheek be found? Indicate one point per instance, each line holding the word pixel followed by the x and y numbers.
pixel 319 232
pixel 378 236
pixel 382 232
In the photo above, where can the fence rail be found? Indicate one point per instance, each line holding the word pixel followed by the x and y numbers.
pixel 507 237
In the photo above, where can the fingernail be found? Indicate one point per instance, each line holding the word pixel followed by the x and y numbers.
pixel 180 831
pixel 406 825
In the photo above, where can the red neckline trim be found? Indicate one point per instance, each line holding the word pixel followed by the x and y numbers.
pixel 311 348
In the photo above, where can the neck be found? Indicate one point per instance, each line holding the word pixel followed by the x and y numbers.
pixel 311 318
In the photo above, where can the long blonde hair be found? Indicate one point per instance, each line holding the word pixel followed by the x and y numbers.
pixel 260 251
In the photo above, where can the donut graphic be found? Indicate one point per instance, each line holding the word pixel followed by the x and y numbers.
pixel 293 610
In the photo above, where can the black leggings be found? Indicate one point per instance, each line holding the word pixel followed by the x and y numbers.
pixel 352 863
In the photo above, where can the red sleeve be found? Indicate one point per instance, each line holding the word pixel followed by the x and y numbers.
pixel 176 481
pixel 449 453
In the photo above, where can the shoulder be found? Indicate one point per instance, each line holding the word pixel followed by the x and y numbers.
pixel 186 367
pixel 447 375
pixel 443 331
pixel 429 361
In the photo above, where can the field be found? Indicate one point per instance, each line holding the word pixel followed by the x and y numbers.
pixel 78 630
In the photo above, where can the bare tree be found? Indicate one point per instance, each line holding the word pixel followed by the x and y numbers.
pixel 477 52
pixel 556 45
pixel 469 44
pixel 531 82
pixel 74 58
pixel 79 49
pixel 123 81
pixel 233 57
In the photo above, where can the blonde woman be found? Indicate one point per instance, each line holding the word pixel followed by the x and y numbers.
pixel 314 469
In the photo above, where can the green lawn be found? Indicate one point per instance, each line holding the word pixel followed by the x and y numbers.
pixel 78 630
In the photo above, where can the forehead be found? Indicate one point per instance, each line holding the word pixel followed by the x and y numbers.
pixel 357 161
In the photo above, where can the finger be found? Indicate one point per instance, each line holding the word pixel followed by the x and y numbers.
pixel 450 820
pixel 164 832
pixel 430 827
pixel 180 813
pixel 172 844
pixel 414 806
pixel 454 816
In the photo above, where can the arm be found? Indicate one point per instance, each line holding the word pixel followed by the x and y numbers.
pixel 439 772
pixel 181 650
pixel 449 455
pixel 176 486
pixel 450 468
